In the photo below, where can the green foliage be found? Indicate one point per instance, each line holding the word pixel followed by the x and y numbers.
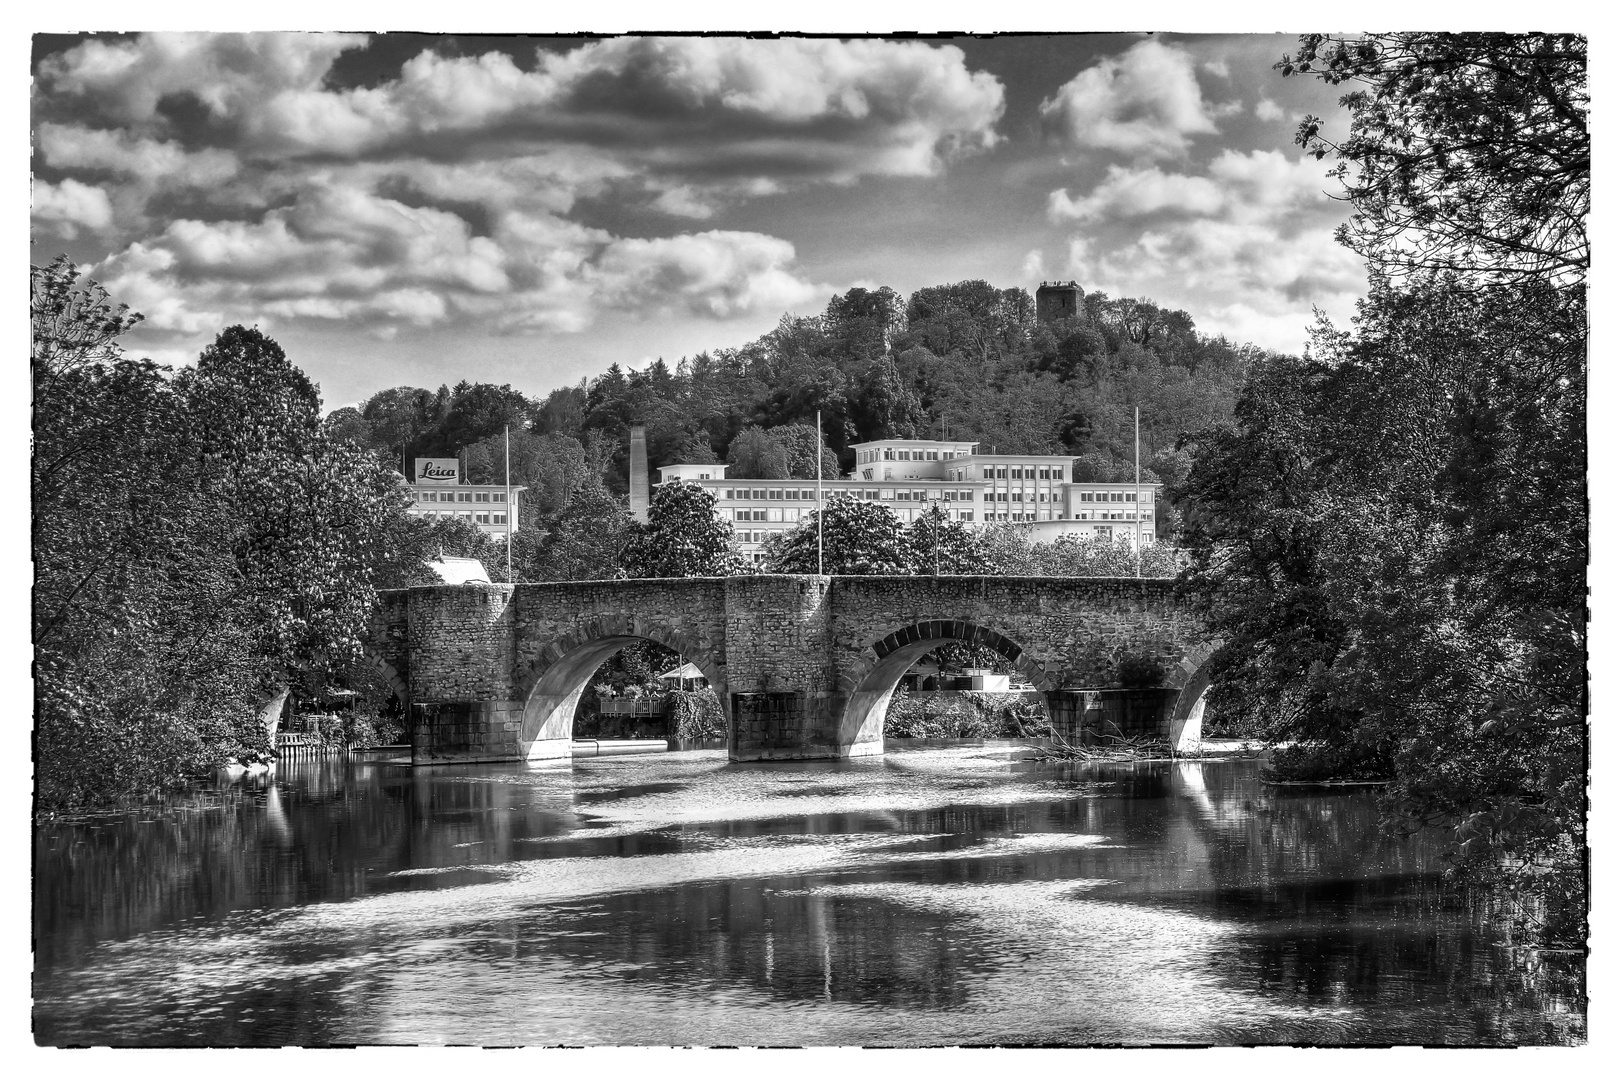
pixel 200 540
pixel 682 537
pixel 1467 153
pixel 934 544
pixel 963 716
pixel 695 715
pixel 1329 761
pixel 1391 539
pixel 858 537
pixel 582 542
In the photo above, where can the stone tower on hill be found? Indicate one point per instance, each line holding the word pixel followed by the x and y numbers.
pixel 1057 300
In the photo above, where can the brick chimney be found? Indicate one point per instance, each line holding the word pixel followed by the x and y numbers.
pixel 639 498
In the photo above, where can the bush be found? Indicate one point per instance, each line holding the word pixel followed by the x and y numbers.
pixel 695 715
pixel 959 716
pixel 1319 761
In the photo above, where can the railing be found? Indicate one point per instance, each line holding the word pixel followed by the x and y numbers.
pixel 631 707
pixel 302 744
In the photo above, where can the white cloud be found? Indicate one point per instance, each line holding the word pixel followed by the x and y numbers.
pixel 814 109
pixel 1242 245
pixel 447 194
pixel 1144 103
pixel 1268 110
pixel 342 253
pixel 1254 187
pixel 70 206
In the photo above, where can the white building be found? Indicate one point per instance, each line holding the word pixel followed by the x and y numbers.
pixel 437 491
pixel 907 476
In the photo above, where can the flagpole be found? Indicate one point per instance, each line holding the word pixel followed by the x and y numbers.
pixel 820 506
pixel 509 514
pixel 1138 513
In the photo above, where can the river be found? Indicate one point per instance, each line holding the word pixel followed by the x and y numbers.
pixel 930 896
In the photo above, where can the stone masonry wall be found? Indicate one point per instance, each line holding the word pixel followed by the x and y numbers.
pixel 494 670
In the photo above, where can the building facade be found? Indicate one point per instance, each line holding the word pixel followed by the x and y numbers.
pixel 437 491
pixel 908 476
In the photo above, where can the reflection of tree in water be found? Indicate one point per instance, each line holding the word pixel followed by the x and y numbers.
pixel 332 834
pixel 778 939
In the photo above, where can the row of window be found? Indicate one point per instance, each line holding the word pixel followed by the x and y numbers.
pixel 808 494
pixel 480 518
pixel 924 495
pixel 423 496
pixel 889 453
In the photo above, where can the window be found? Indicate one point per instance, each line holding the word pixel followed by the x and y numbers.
pixel 950 496
pixel 1018 496
pixel 964 496
pixel 1001 496
pixel 759 493
pixel 500 496
pixel 1001 472
pixel 427 496
pixel 742 515
pixel 758 515
pixel 1085 496
pixel 774 514
pixel 463 513
pixel 1117 496
pixel 886 493
pixel 728 492
pixel 500 519
pixel 866 474
pixel 933 455
pixel 1130 496
pixel 482 519
pixel 481 496
pixel 989 473
pixel 463 496
pixel 870 494
pixel 790 514
pixel 888 455
pixel 964 515
pixel 1046 474
pixel 904 455
pixel 1043 496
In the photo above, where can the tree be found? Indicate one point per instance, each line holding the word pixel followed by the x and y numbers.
pixel 200 542
pixel 857 537
pixel 755 455
pixel 582 542
pixel 1391 540
pixel 682 537
pixel 937 545
pixel 1470 152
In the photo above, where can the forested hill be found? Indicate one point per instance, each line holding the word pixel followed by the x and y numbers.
pixel 966 360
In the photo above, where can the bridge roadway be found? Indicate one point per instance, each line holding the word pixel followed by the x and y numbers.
pixel 804 666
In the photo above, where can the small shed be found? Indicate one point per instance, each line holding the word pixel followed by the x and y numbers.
pixel 686 677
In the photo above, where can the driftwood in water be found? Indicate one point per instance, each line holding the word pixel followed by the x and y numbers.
pixel 1107 748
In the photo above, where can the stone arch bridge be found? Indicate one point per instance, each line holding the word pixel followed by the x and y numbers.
pixel 804 666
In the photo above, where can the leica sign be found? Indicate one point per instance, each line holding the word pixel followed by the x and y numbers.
pixel 438 470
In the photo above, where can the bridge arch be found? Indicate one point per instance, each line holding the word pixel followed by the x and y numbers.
pixel 373 660
pixel 551 688
pixel 867 694
pixel 1187 715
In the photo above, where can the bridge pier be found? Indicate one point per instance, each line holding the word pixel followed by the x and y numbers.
pixel 1081 716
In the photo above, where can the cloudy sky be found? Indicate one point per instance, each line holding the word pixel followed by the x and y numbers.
pixel 408 209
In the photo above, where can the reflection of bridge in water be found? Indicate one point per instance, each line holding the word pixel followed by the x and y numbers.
pixel 804 666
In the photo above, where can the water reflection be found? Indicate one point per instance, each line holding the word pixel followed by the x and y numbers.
pixel 933 896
